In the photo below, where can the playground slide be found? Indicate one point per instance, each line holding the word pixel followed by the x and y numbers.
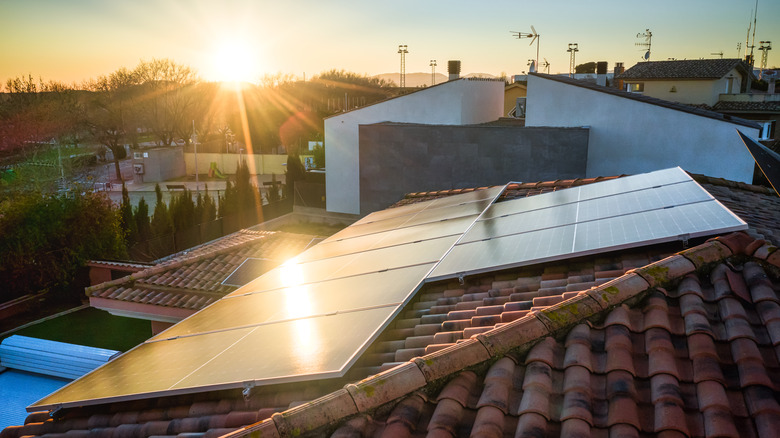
pixel 214 171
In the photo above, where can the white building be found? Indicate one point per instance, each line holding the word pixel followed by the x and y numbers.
pixel 460 102
pixel 631 133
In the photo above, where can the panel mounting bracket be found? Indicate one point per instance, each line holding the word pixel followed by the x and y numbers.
pixel 247 391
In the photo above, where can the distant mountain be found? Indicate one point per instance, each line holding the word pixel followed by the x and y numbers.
pixel 424 79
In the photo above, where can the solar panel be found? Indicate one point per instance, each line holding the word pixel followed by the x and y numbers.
pixel 655 207
pixel 248 270
pixel 766 159
pixel 431 230
pixel 300 349
pixel 303 301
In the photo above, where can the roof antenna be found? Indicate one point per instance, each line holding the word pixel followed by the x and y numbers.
pixel 534 37
pixel 648 36
pixel 748 45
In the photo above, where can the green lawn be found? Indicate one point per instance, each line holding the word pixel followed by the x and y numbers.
pixel 94 328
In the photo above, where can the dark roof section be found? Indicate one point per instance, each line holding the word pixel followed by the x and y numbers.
pixel 651 100
pixel 748 107
pixel 768 160
pixel 684 69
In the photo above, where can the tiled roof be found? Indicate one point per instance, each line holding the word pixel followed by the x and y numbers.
pixel 724 105
pixel 627 343
pixel 651 100
pixel 683 69
pixel 686 346
pixel 192 279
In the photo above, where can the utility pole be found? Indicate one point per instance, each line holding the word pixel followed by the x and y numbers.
pixel 766 46
pixel 573 49
pixel 403 51
pixel 433 72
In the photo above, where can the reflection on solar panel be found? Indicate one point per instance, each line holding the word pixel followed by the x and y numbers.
pixel 310 317
pixel 248 270
pixel 314 315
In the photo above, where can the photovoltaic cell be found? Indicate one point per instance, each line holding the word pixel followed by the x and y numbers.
pixel 248 270
pixel 432 230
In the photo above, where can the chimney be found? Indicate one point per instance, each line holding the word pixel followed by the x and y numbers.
pixel 619 69
pixel 601 73
pixel 453 68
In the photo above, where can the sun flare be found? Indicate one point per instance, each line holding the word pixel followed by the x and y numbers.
pixel 234 61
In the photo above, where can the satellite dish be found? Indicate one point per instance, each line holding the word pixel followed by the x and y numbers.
pixel 647 55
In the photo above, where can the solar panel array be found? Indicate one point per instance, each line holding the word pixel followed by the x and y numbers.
pixel 313 316
pixel 644 209
pixel 308 318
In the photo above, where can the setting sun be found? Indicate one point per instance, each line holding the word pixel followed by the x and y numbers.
pixel 234 61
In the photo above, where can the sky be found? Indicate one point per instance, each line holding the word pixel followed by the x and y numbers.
pixel 76 40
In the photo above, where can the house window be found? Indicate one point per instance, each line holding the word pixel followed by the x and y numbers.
pixel 729 85
pixel 767 130
pixel 635 87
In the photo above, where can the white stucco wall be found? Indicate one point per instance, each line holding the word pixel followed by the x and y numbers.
pixel 461 102
pixel 629 136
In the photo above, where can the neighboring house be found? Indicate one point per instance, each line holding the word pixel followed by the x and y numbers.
pixel 457 102
pixel 184 283
pixel 514 100
pixel 723 85
pixel 694 81
pixel 633 133
pixel 629 342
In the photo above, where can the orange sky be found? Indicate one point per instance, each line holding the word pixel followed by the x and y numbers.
pixel 76 40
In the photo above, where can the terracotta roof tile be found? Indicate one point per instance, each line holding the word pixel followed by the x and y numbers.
pixel 192 279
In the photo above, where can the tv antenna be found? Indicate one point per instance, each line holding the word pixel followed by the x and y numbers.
pixel 718 53
pixel 648 36
pixel 534 37
pixel 546 66
pixel 573 49
pixel 749 58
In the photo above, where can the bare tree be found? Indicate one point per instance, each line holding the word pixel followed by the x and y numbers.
pixel 165 99
pixel 112 114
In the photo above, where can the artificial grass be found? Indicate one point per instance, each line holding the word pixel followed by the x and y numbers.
pixel 93 328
